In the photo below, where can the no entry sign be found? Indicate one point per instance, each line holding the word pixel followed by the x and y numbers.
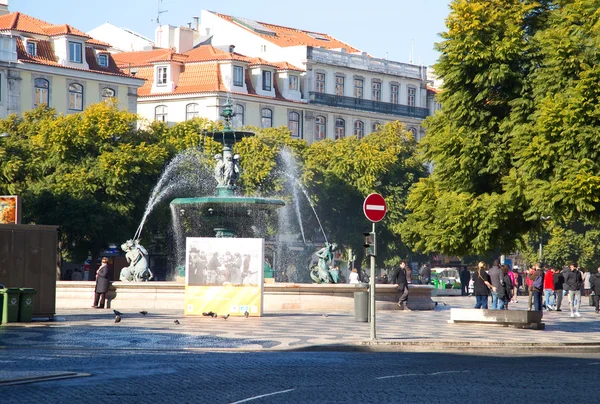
pixel 374 207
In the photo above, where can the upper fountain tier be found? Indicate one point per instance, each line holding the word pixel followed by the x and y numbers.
pixel 230 214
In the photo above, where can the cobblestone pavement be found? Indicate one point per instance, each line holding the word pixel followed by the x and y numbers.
pixel 94 329
pixel 204 360
pixel 149 376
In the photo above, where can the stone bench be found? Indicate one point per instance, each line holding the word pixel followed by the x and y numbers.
pixel 506 318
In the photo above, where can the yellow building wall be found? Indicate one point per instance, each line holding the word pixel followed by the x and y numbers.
pixel 59 92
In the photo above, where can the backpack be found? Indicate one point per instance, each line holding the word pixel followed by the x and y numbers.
pixel 539 282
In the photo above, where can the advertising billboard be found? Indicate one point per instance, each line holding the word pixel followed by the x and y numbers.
pixel 10 209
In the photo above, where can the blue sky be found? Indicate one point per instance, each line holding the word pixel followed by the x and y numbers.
pixel 372 26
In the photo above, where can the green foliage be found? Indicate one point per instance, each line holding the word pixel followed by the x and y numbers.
pixel 518 137
pixel 85 172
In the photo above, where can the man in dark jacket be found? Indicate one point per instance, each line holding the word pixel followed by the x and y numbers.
pixel 537 287
pixel 465 278
pixel 399 279
pixel 559 280
pixel 573 282
pixel 595 290
pixel 496 279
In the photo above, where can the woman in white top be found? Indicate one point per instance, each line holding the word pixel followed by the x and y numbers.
pixel 354 276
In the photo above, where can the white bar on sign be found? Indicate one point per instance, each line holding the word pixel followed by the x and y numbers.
pixel 375 207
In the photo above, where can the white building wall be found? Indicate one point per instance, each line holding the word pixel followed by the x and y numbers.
pixel 121 40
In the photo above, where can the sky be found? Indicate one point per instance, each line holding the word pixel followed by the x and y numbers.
pixel 377 27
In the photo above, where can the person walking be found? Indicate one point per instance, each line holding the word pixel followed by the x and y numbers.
pixel 465 278
pixel 587 286
pixel 481 286
pixel 559 280
pixel 425 274
pixel 399 279
pixel 573 282
pixel 101 285
pixel 505 291
pixel 496 279
pixel 595 289
pixel 537 287
pixel 515 278
pixel 549 288
pixel 528 283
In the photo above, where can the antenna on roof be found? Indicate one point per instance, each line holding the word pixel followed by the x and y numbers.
pixel 412 51
pixel 159 12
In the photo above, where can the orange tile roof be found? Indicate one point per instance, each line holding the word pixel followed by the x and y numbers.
pixel 146 58
pixel 434 90
pixel 45 56
pixel 204 53
pixel 286 36
pixel 194 78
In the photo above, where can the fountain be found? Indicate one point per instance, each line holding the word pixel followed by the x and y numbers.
pixel 229 214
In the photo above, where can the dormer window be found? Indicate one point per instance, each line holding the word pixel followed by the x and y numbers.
pixel 238 76
pixel 266 80
pixel 75 52
pixel 32 48
pixel 103 60
pixel 293 83
pixel 161 75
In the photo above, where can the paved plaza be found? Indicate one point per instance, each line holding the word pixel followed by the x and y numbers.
pixel 84 356
pixel 95 329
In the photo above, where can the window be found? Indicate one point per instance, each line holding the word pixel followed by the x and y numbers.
pixel 107 93
pixel 42 92
pixel 161 76
pixel 160 113
pixel 191 111
pixel 263 48
pixel 358 88
pixel 375 126
pixel 339 85
pixel 294 83
pixel 359 129
pixel 239 112
pixel 266 77
pixel 266 118
pixel 411 96
pixel 320 83
pixel 76 97
pixel 340 128
pixel 394 94
pixel 238 76
pixel 376 91
pixel 103 60
pixel 75 52
pixel 32 48
pixel 413 131
pixel 294 123
pixel 320 127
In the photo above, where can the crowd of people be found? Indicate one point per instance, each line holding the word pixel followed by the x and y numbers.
pixel 545 286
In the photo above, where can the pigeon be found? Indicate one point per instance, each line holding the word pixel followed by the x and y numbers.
pixel 177 322
pixel 325 315
pixel 117 313
pixel 246 314
pixel 208 314
pixel 143 312
pixel 215 315
pixel 225 317
pixel 118 318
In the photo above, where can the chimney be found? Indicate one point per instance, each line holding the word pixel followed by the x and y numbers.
pixel 4 7
pixel 197 23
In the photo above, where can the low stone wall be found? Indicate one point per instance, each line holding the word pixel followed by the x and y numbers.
pixel 512 318
pixel 278 297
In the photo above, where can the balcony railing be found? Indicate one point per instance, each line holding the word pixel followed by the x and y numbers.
pixel 368 105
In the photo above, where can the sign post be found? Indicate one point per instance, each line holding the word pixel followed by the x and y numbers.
pixel 374 209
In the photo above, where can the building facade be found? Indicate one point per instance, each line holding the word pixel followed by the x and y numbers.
pixel 317 86
pixel 57 65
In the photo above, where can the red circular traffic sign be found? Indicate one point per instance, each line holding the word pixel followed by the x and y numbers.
pixel 374 207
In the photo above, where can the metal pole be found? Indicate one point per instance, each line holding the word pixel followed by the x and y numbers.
pixel 372 288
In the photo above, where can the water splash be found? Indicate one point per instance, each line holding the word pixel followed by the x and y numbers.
pixel 185 174
pixel 290 170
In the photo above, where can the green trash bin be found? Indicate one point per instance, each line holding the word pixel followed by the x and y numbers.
pixel 10 305
pixel 26 305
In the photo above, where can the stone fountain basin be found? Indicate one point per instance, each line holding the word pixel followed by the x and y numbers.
pixel 231 205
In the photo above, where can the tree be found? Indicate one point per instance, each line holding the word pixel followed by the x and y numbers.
pixel 477 200
pixel 85 172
